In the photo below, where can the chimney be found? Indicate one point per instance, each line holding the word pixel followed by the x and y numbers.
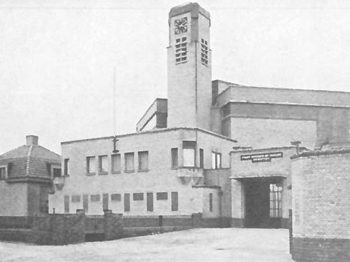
pixel 32 140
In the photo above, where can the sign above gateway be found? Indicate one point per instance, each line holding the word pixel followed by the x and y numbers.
pixel 263 157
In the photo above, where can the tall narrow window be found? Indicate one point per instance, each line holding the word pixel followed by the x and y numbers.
pixel 86 203
pixel 66 167
pixel 3 172
pixel 189 153
pixel 143 161
pixel 116 163
pixel 204 52
pixel 174 201
pixel 174 158
pixel 90 165
pixel 216 160
pixel 181 50
pixel 102 165
pixel 105 201
pixel 201 158
pixel 275 200
pixel 129 162
pixel 211 202
pixel 127 202
pixel 150 201
pixel 66 204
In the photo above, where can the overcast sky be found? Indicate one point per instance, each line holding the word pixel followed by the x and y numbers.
pixel 57 58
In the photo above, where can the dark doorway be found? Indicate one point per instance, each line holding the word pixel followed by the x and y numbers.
pixel 260 202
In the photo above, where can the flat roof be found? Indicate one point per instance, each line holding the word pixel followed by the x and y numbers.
pixel 154 131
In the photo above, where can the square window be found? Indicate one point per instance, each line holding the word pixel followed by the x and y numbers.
pixel 162 196
pixel 116 197
pixel 116 163
pixel 129 162
pixel 137 196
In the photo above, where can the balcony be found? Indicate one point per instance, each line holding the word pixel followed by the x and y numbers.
pixel 188 175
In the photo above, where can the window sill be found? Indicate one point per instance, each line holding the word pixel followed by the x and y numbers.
pixel 91 174
pixel 143 170
pixel 129 171
pixel 102 173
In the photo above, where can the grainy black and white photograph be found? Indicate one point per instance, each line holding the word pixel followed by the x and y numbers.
pixel 216 130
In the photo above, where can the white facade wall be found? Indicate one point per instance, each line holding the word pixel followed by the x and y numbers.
pixel 159 178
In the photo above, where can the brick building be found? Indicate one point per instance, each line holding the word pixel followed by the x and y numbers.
pixel 26 178
pixel 212 147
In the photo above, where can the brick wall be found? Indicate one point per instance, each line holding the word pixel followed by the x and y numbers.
pixel 321 206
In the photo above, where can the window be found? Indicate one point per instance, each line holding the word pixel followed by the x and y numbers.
pixel 75 198
pixel 116 163
pixel 211 202
pixel 174 201
pixel 129 162
pixel 201 158
pixel 86 203
pixel 189 153
pixel 56 172
pixel 204 52
pixel 137 196
pixel 103 164
pixel 275 200
pixel 90 165
pixel 174 158
pixel 143 161
pixel 162 196
pixel 215 160
pixel 150 201
pixel 3 172
pixel 95 198
pixel 126 202
pixel 116 197
pixel 66 204
pixel 66 167
pixel 181 50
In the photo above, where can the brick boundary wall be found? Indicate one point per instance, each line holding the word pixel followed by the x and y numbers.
pixel 321 206
pixel 62 229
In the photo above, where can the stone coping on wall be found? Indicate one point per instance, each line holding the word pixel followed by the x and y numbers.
pixel 322 153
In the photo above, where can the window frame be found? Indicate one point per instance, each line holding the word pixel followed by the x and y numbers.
pixel 52 168
pixel 174 158
pixel 120 164
pixel 189 145
pixel 214 158
pixel 66 167
pixel 6 172
pixel 139 169
pixel 133 162
pixel 275 202
pixel 88 165
pixel 100 163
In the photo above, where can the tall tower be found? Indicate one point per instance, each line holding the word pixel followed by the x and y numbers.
pixel 189 67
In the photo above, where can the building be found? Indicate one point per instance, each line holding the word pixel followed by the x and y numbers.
pixel 26 178
pixel 212 147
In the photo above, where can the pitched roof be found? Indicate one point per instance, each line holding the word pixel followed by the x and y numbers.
pixel 30 160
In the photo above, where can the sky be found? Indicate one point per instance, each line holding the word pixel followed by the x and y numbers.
pixel 57 59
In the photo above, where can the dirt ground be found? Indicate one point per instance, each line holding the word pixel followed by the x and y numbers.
pixel 221 244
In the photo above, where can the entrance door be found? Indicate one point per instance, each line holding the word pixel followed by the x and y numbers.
pixel 260 203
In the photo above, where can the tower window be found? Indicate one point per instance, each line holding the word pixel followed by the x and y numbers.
pixel 204 52
pixel 181 50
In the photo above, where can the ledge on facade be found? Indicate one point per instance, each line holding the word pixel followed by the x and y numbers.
pixel 255 177
pixel 250 149
pixel 27 179
pixel 206 186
